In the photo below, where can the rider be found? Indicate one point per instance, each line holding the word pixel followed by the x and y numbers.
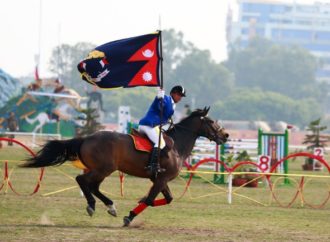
pixel 149 124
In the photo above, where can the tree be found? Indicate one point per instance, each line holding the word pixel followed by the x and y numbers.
pixel 175 49
pixel 286 70
pixel 256 104
pixel 315 139
pixel 206 80
pixel 138 99
pixel 64 61
pixel 92 125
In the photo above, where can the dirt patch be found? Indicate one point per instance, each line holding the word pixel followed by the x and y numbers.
pixel 45 220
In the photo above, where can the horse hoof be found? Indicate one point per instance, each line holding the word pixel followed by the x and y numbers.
pixel 90 211
pixel 112 210
pixel 127 221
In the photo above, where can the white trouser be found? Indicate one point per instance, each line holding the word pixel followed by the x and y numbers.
pixel 153 135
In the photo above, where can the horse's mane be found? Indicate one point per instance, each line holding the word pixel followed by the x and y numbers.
pixel 195 113
pixel 182 139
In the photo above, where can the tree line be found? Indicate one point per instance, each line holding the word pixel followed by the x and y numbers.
pixel 263 81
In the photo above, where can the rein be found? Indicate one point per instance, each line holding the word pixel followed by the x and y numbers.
pixel 211 137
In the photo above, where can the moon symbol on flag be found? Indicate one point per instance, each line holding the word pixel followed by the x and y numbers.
pixel 147 76
pixel 148 53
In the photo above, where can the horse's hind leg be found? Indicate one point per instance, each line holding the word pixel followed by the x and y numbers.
pixel 82 180
pixel 95 189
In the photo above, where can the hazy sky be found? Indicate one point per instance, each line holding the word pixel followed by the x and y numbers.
pixel 101 21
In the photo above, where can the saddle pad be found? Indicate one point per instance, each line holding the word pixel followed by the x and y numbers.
pixel 141 143
pixel 78 164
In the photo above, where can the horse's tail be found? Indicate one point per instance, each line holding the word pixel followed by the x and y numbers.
pixel 55 152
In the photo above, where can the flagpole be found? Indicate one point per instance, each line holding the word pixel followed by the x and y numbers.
pixel 161 59
pixel 162 100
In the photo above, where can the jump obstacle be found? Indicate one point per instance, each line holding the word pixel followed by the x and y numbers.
pixel 6 182
pixel 230 171
pixel 229 191
pixel 268 149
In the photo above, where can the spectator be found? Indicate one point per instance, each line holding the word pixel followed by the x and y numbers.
pixel 12 126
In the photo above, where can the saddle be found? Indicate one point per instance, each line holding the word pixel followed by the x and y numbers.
pixel 143 143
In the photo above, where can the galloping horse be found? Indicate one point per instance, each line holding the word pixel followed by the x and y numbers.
pixel 105 152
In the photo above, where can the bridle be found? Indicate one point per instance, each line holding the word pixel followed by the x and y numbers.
pixel 213 135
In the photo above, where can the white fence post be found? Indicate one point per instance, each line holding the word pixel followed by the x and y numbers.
pixel 230 187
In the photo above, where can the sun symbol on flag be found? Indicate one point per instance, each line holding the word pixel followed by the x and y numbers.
pixel 148 53
pixel 147 76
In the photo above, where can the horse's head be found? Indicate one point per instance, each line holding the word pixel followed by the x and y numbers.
pixel 209 128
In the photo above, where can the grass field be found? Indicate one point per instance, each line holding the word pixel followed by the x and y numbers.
pixel 57 211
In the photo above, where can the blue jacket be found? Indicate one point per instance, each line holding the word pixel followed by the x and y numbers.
pixel 152 117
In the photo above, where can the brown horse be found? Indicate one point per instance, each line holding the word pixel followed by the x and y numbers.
pixel 105 152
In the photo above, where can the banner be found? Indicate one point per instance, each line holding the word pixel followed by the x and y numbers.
pixel 124 63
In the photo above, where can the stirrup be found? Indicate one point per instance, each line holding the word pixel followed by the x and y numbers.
pixel 155 168
pixel 147 167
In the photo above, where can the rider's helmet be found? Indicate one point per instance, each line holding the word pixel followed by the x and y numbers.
pixel 179 89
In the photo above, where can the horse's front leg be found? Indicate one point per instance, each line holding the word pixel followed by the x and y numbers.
pixel 160 202
pixel 164 201
pixel 156 188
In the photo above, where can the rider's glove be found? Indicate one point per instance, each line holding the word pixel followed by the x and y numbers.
pixel 161 93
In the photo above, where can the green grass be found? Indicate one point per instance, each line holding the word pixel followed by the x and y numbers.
pixel 202 214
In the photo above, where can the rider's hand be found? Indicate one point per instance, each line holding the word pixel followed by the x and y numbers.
pixel 161 93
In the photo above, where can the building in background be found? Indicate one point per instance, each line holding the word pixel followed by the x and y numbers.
pixel 124 117
pixel 285 23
